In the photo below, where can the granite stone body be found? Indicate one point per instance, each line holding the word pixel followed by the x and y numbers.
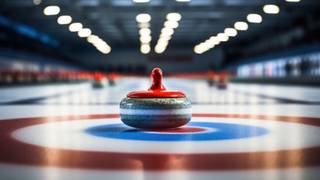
pixel 155 113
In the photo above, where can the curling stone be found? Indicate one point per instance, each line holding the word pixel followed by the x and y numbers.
pixel 156 108
pixel 98 81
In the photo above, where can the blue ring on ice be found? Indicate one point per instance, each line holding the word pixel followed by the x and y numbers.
pixel 215 132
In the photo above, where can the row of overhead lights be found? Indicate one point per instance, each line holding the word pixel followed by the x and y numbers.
pixel 77 27
pixel 166 32
pixel 171 23
pixel 143 21
pixel 238 26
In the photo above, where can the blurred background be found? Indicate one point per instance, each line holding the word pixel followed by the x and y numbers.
pixel 269 41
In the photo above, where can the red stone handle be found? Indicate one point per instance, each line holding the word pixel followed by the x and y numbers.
pixel 157 90
pixel 157 77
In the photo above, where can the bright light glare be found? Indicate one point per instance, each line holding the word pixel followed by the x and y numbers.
pixel 166 38
pixel 271 9
pixel 167 31
pixel 144 25
pixel 241 26
pixel 197 50
pixel 143 18
pixel 145 39
pixel 209 44
pixel 205 46
pixel 75 27
pixel 144 31
pixel 174 17
pixel 254 18
pixel 51 10
pixel 93 39
pixel 163 42
pixel 36 2
pixel 201 48
pixel 159 49
pixel 64 19
pixel 171 24
pixel 145 48
pixel 85 32
pixel 104 49
pixel 213 40
pixel 100 43
pixel 231 32
pixel 222 37
pixel 102 46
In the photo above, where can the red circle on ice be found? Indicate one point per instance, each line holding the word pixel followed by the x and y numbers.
pixel 17 152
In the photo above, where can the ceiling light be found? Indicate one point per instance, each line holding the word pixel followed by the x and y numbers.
pixel 75 27
pixel 167 38
pixel 254 18
pixel 162 47
pixel 163 42
pixel 222 37
pixel 51 10
pixel 141 1
pixel 145 39
pixel 183 0
pixel 201 48
pixel 241 26
pixel 174 17
pixel 145 48
pixel 214 40
pixel 209 43
pixel 85 32
pixel 171 24
pixel 164 38
pixel 271 9
pixel 144 25
pixel 36 2
pixel 143 18
pixel 64 20
pixel 165 35
pixel 105 49
pixel 197 49
pixel 100 43
pixel 93 39
pixel 144 31
pixel 159 49
pixel 206 46
pixel 231 32
pixel 167 31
